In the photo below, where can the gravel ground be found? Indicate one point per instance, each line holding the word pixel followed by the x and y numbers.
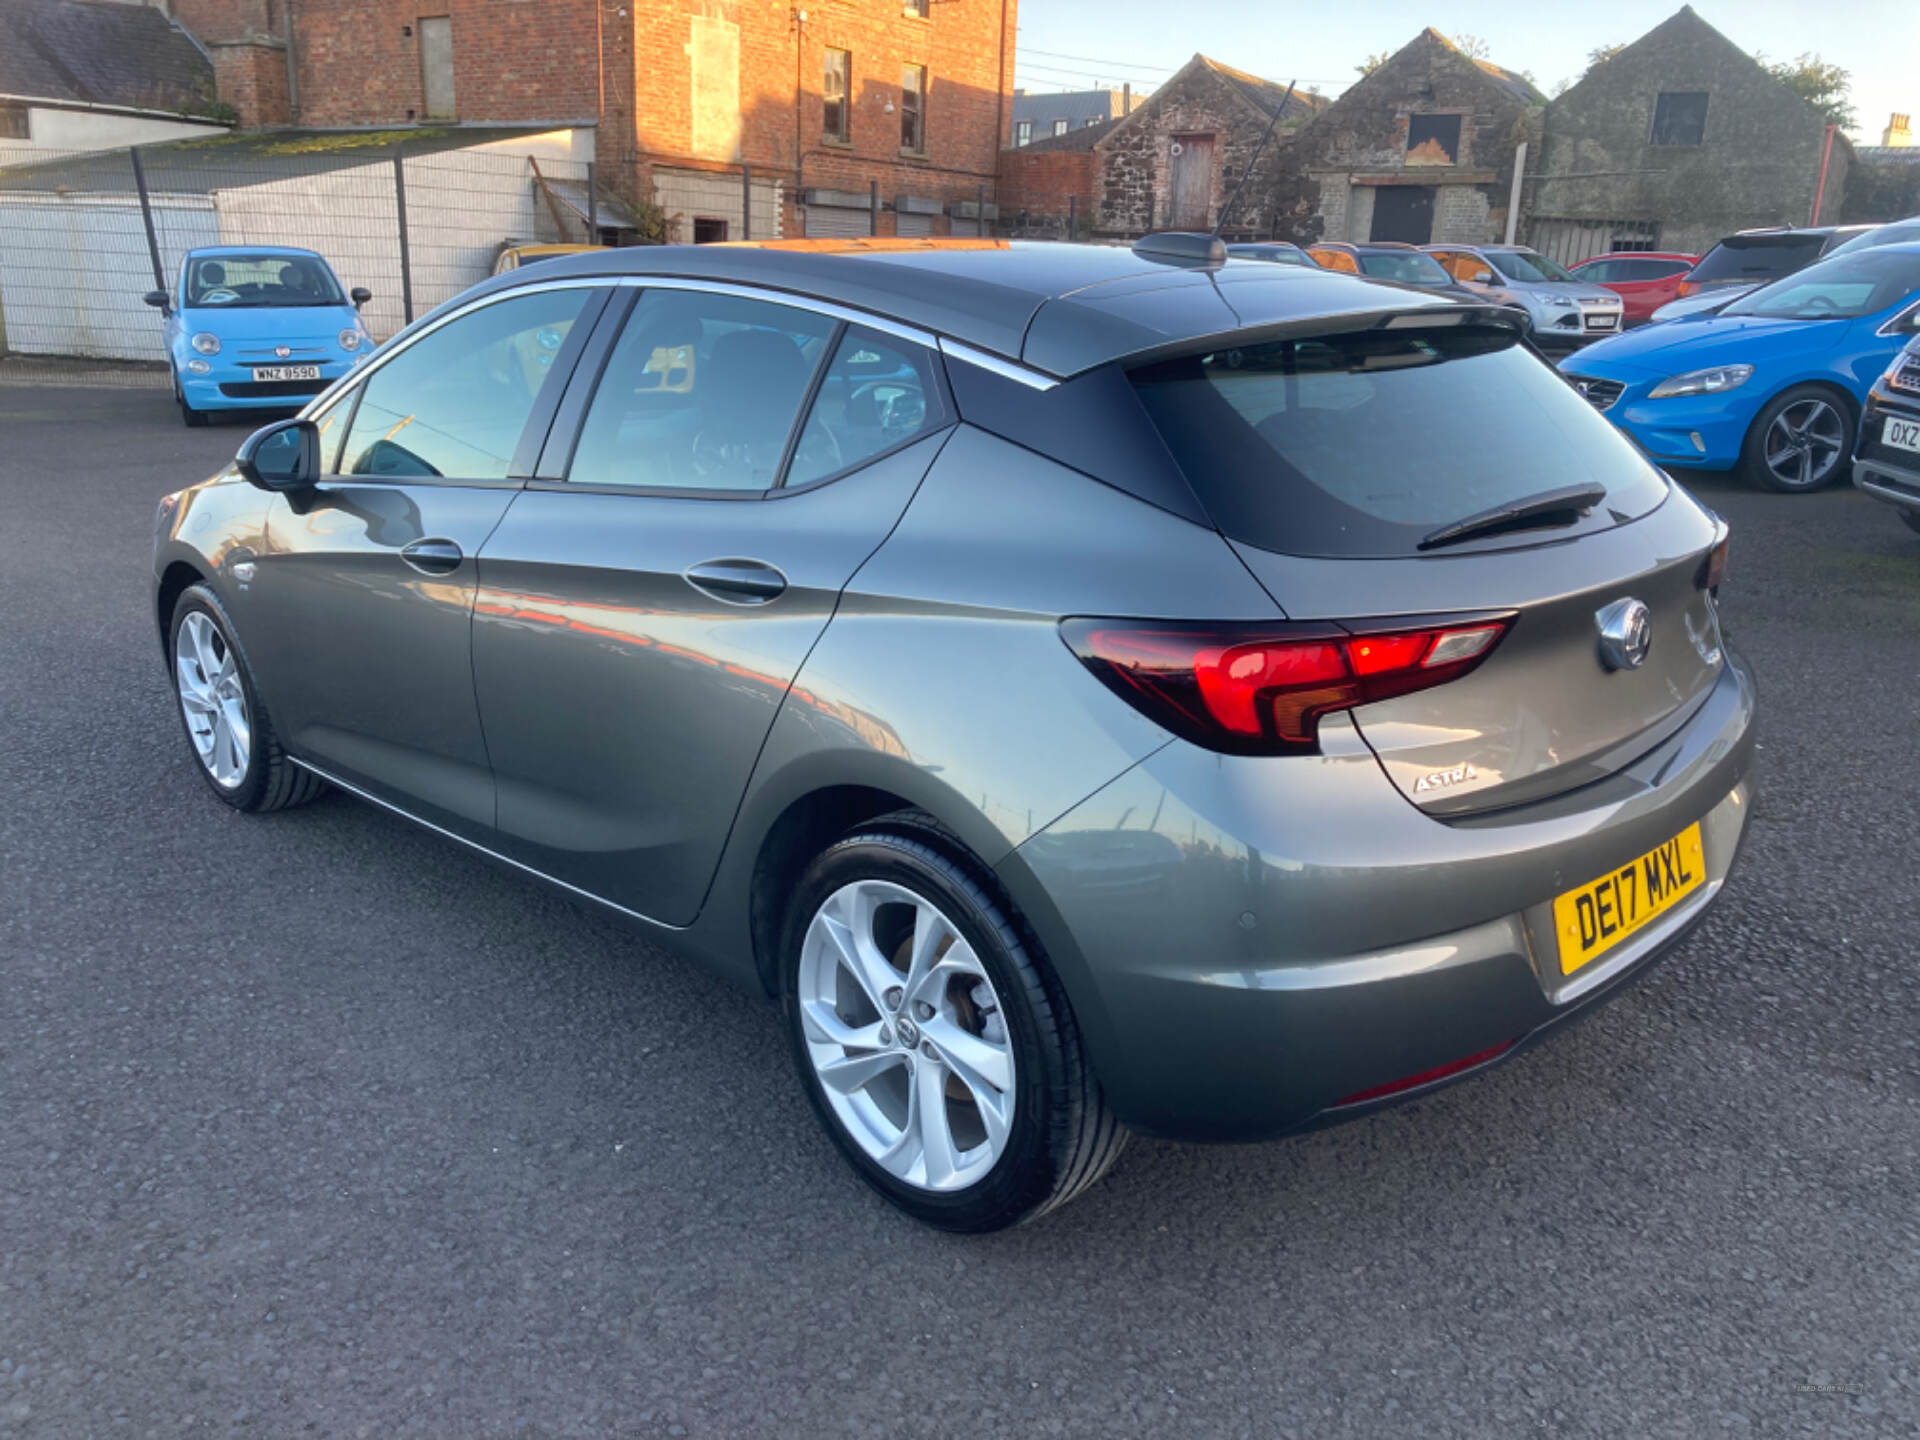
pixel 319 1125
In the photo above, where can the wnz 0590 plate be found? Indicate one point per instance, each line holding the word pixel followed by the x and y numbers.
pixel 1603 912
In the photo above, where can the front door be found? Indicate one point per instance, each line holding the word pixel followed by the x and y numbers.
pixel 1403 213
pixel 366 584
pixel 643 611
pixel 1192 187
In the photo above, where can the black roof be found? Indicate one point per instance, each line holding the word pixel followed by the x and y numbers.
pixel 121 55
pixel 1058 308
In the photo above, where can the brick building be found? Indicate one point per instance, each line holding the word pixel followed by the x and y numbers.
pixel 825 104
pixel 1420 150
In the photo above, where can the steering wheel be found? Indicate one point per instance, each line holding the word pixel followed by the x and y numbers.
pixel 221 295
pixel 1822 300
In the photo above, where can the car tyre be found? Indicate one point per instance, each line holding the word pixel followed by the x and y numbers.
pixel 229 733
pixel 192 418
pixel 1800 441
pixel 905 870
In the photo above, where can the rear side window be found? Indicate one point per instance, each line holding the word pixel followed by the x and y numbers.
pixel 878 393
pixel 1363 444
pixel 1748 260
pixel 700 393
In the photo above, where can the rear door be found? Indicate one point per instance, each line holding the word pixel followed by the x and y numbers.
pixel 364 588
pixel 718 472
pixel 1329 462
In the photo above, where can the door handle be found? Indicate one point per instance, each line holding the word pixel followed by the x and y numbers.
pixel 736 582
pixel 433 557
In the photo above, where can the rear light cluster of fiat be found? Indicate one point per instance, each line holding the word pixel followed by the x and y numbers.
pixel 1261 689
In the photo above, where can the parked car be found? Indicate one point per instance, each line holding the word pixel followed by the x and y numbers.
pixel 1561 310
pixel 1643 279
pixel 1388 260
pixel 1773 383
pixel 1742 263
pixel 1051 680
pixel 1897 232
pixel 512 255
pixel 258 327
pixel 1887 461
pixel 1279 251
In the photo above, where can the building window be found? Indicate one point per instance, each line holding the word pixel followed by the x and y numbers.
pixel 913 108
pixel 708 231
pixel 1023 132
pixel 1433 140
pixel 436 66
pixel 13 123
pixel 1091 120
pixel 1680 118
pixel 834 87
pixel 1060 126
pixel 917 8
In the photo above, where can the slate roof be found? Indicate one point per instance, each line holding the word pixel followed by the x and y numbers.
pixel 1083 138
pixel 1076 107
pixel 1265 93
pixel 100 54
pixel 1514 83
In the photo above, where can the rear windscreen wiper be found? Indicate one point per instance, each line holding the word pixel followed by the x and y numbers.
pixel 1569 500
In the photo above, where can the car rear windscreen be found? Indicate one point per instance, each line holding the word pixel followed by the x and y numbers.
pixel 1748 258
pixel 1365 444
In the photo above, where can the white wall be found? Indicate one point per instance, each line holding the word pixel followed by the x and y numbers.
pixel 76 266
pixel 102 130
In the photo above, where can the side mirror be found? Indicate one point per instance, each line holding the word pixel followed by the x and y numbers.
pixel 1484 277
pixel 281 456
pixel 360 295
pixel 157 299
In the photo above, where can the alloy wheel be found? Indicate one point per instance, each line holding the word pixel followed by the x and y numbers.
pixel 907 1036
pixel 1804 443
pixel 213 700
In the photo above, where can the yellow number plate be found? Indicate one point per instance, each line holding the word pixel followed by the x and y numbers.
pixel 1598 916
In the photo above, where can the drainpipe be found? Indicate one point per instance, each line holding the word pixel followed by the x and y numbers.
pixel 1513 197
pixel 1820 189
pixel 293 75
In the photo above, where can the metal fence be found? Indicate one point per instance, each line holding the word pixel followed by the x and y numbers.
pixel 85 235
pixel 1570 241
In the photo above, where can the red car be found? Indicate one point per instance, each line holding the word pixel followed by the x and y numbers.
pixel 1644 279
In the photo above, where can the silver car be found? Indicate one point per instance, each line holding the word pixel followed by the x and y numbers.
pixel 1093 690
pixel 1562 309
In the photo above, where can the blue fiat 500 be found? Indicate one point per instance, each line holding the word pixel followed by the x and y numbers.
pixel 258 327
pixel 1772 385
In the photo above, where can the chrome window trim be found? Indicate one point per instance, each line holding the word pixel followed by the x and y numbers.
pixel 1907 316
pixel 411 336
pixel 995 364
pixel 773 296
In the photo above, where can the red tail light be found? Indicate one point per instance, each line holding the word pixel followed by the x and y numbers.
pixel 1426 1077
pixel 1253 689
pixel 1714 568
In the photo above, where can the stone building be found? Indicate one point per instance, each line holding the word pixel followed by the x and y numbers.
pixel 1420 150
pixel 824 103
pixel 1173 162
pixel 1677 140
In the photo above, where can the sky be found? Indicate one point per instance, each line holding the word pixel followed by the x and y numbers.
pixel 1083 44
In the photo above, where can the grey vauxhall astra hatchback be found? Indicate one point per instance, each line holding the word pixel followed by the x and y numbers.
pixel 1095 690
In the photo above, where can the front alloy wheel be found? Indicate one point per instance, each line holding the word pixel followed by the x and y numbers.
pixel 937 1047
pixel 212 702
pixel 1801 441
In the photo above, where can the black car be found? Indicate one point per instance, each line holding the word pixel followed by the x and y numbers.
pixel 1887 461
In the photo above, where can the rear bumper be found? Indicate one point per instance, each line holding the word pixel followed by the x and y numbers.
pixel 1276 937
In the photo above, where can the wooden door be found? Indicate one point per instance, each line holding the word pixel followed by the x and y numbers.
pixel 1192 187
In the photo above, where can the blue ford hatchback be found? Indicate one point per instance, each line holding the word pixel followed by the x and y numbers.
pixel 258 327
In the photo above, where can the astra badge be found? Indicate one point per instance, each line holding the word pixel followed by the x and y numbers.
pixel 1442 779
pixel 1626 632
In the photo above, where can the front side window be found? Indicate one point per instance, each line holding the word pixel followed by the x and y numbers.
pixel 700 393
pixel 243 282
pixel 833 87
pixel 913 108
pixel 1680 117
pixel 878 393
pixel 453 403
pixel 1335 260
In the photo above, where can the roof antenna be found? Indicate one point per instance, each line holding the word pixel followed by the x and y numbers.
pixel 1226 211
